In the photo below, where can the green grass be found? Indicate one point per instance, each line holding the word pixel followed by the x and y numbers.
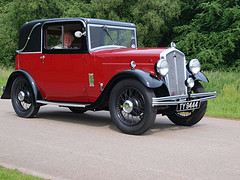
pixel 227 85
pixel 4 74
pixel 10 174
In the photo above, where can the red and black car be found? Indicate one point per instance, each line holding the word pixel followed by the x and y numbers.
pixel 103 69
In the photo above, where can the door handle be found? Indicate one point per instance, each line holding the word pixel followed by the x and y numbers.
pixel 42 57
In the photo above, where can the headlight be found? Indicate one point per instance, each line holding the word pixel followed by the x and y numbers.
pixel 162 67
pixel 190 82
pixel 194 66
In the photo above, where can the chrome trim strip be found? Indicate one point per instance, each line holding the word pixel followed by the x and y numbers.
pixel 28 37
pixel 62 36
pixel 174 100
pixel 176 70
pixel 108 46
pixel 62 104
pixel 37 52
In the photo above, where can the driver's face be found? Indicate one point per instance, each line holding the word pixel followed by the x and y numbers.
pixel 68 38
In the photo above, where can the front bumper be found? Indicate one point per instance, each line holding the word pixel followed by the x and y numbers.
pixel 175 100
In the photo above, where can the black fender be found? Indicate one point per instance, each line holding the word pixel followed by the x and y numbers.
pixel 13 76
pixel 201 77
pixel 146 79
pixel 198 77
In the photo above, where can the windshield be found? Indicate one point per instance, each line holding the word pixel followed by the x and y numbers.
pixel 102 36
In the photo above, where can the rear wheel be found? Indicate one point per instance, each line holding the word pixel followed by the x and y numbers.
pixel 131 108
pixel 190 118
pixel 23 99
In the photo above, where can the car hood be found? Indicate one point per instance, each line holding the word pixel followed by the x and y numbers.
pixel 152 53
pixel 118 60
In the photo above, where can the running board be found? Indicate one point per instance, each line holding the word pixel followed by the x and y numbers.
pixel 62 104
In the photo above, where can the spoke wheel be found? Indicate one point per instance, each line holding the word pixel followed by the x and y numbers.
pixel 23 100
pixel 131 108
pixel 190 118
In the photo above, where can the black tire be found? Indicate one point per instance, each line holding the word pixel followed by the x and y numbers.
pixel 78 110
pixel 141 116
pixel 23 99
pixel 192 117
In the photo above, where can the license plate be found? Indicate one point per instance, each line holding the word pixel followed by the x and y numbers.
pixel 188 106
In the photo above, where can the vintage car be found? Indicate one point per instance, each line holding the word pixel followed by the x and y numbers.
pixel 103 69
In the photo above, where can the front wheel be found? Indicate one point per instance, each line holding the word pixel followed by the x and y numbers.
pixel 131 108
pixel 23 100
pixel 190 118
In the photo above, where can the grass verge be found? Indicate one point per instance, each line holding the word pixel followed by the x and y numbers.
pixel 15 174
pixel 4 74
pixel 227 85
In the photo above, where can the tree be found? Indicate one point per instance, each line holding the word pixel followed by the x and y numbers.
pixel 152 18
pixel 13 15
pixel 213 35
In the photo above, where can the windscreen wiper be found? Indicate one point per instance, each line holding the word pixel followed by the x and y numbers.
pixel 105 28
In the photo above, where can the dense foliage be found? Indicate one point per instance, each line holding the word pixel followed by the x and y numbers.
pixel 213 33
pixel 208 30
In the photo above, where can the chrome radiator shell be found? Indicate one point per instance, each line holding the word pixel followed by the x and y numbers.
pixel 175 79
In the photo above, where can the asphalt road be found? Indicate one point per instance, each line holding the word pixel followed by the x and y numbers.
pixel 58 144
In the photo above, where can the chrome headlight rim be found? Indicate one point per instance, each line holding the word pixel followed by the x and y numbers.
pixel 162 67
pixel 194 66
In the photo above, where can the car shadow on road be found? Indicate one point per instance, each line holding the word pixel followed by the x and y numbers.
pixel 162 124
pixel 90 118
pixel 102 118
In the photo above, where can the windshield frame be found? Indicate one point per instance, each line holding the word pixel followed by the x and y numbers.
pixel 108 26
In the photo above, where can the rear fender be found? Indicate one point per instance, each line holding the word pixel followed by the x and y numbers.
pixel 13 76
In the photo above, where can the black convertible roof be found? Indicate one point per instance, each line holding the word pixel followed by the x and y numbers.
pixel 34 27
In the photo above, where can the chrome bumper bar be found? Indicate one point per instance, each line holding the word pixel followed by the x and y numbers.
pixel 175 100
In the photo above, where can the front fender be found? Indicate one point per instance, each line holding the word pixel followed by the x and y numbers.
pixel 12 77
pixel 201 77
pixel 147 79
pixel 198 77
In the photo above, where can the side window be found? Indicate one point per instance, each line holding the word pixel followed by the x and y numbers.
pixel 64 38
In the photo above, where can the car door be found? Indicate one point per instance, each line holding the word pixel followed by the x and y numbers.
pixel 62 75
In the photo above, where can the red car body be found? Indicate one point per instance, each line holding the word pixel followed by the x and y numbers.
pixel 59 80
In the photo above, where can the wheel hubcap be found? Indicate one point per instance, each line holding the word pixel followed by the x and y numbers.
pixel 21 96
pixel 128 106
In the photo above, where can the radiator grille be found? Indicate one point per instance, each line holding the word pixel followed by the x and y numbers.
pixel 176 76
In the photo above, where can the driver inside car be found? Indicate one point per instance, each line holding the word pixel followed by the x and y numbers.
pixel 68 39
